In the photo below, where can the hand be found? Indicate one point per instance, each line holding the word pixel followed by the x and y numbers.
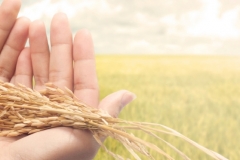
pixel 62 143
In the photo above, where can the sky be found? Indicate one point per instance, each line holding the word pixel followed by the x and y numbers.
pixel 149 27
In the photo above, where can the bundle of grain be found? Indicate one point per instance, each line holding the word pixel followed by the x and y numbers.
pixel 24 111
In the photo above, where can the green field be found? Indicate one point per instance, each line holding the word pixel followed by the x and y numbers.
pixel 198 96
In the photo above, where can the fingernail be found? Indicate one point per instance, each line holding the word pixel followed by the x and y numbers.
pixel 127 98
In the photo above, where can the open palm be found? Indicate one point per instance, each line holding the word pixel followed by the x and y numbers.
pixel 69 64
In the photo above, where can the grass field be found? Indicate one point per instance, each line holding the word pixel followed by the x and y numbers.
pixel 198 96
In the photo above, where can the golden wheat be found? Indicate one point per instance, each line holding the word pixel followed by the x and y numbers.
pixel 24 111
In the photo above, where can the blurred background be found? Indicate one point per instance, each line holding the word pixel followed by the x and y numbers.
pixel 180 57
pixel 149 27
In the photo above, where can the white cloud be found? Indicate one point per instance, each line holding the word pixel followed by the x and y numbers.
pixel 36 10
pixel 209 22
pixel 170 20
pixel 174 26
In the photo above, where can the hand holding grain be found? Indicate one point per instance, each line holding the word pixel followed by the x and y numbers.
pixel 57 67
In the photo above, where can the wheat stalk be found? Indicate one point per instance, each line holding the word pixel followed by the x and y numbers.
pixel 24 111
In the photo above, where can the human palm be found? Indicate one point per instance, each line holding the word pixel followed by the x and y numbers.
pixel 70 63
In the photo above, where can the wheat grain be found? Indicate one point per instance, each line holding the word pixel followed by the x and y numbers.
pixel 24 111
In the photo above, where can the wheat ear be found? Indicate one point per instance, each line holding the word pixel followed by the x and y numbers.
pixel 24 111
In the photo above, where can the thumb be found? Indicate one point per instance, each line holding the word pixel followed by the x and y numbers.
pixel 115 102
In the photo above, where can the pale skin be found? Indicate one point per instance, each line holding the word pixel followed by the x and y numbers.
pixel 19 65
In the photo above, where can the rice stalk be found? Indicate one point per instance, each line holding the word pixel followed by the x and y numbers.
pixel 24 111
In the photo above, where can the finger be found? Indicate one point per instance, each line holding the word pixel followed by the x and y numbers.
pixel 12 48
pixel 85 77
pixel 23 73
pixel 8 13
pixel 13 79
pixel 39 53
pixel 61 63
pixel 114 102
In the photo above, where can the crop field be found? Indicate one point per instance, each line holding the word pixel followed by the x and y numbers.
pixel 199 96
